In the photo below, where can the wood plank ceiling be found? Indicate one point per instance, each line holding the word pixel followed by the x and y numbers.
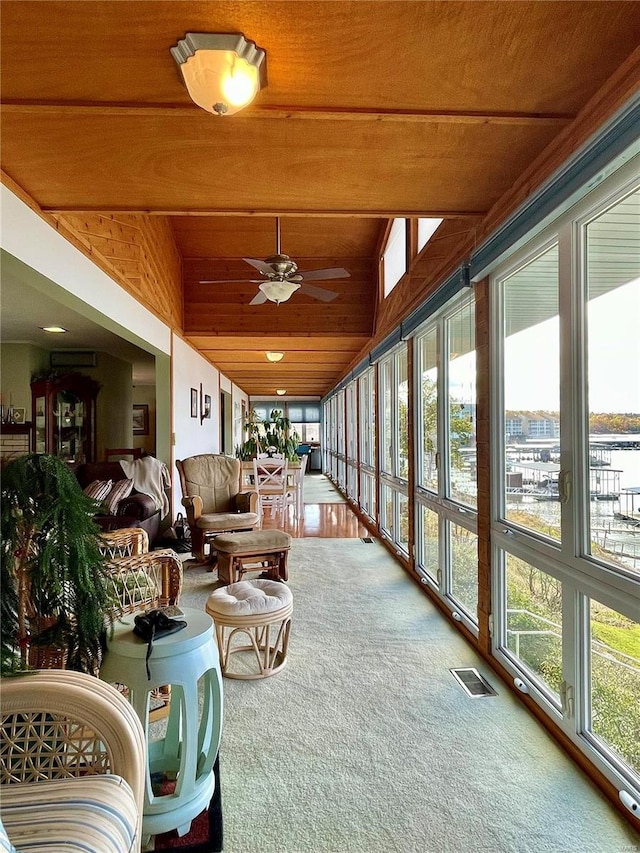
pixel 372 110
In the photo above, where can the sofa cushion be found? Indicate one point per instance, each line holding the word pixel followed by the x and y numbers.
pixel 98 489
pixel 119 491
pixel 96 813
pixel 227 521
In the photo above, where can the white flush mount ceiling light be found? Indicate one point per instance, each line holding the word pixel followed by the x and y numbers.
pixel 279 291
pixel 281 391
pixel 223 72
pixel 274 356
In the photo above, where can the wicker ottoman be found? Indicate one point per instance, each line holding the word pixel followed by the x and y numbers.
pixel 263 551
pixel 260 609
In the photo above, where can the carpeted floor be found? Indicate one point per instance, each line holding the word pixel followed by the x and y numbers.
pixel 318 489
pixel 365 742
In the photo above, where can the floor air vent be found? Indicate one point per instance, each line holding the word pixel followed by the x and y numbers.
pixel 367 540
pixel 473 684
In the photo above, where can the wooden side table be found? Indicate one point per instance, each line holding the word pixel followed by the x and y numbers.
pixel 188 750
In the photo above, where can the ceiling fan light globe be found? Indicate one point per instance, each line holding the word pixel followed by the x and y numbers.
pixel 279 291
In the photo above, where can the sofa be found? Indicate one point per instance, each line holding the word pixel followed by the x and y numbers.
pixel 73 765
pixel 135 510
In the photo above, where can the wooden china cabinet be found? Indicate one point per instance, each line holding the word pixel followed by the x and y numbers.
pixel 64 417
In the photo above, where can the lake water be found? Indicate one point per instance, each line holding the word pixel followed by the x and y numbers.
pixel 612 533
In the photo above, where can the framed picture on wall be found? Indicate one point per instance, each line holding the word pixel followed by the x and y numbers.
pixel 207 406
pixel 141 419
pixel 194 402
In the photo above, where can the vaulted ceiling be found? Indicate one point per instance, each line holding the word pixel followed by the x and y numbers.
pixel 372 110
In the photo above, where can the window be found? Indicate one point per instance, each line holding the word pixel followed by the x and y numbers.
pixel 426 229
pixel 367 408
pixel 534 621
pixel 446 494
pixel 394 447
pixel 566 566
pixel 531 362
pixel 461 381
pixel 427 353
pixel 612 262
pixel 394 257
pixel 614 709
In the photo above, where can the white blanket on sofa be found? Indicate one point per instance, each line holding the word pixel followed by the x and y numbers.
pixel 151 477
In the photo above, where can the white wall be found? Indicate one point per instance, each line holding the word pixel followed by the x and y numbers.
pixel 190 370
pixel 238 397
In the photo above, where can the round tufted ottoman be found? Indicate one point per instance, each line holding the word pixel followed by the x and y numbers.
pixel 262 610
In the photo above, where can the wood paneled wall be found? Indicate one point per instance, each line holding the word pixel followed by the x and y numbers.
pixel 137 251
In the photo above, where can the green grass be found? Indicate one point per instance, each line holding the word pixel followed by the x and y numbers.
pixel 622 639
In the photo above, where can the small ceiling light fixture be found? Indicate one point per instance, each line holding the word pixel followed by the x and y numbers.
pixel 279 291
pixel 281 391
pixel 223 72
pixel 55 330
pixel 274 356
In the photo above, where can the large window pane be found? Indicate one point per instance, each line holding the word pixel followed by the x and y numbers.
pixel 403 415
pixel 613 311
pixel 461 444
pixel 428 544
pixel 367 418
pixel 615 682
pixel 531 370
pixel 394 258
pixel 534 620
pixel 368 494
pixel 386 415
pixel 402 534
pixel 352 420
pixel 428 390
pixel 464 568
pixel 386 509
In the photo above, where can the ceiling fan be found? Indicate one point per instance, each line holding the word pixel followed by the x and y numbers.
pixel 282 278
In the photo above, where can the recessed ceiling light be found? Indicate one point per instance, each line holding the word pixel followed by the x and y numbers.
pixel 57 330
pixel 281 391
pixel 274 356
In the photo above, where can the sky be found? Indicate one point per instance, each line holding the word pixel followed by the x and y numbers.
pixel 532 357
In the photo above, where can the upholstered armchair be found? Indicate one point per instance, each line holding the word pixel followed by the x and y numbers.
pixel 213 499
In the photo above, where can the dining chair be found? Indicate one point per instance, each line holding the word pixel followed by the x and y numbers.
pixel 271 481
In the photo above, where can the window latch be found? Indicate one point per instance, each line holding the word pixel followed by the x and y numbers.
pixel 564 486
pixel 566 699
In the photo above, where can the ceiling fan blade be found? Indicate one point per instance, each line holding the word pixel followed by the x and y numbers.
pixel 259 298
pixel 318 292
pixel 261 266
pixel 231 281
pixel 318 275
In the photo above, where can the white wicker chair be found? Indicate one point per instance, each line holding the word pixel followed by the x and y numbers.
pixel 72 764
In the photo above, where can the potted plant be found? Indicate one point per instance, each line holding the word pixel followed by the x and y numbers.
pixel 273 435
pixel 55 594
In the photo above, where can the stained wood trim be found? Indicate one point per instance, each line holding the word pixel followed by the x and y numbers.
pixel 279 112
pixel 284 211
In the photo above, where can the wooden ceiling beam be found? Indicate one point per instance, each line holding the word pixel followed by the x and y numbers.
pixel 284 211
pixel 278 112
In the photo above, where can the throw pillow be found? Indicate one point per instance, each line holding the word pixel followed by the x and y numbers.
pixel 98 489
pixel 121 489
